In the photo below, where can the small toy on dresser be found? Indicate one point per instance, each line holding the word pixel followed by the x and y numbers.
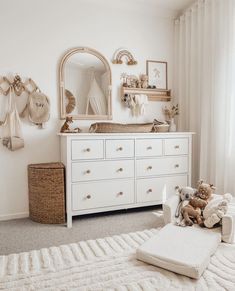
pixel 66 126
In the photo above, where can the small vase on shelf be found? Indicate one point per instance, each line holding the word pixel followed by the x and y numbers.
pixel 172 125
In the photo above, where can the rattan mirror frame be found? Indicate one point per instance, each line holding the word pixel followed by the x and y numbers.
pixel 63 61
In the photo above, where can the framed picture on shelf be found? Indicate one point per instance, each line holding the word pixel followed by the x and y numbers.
pixel 157 74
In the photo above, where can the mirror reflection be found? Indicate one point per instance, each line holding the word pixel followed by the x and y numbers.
pixel 86 86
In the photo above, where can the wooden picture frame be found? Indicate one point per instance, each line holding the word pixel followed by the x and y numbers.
pixel 157 74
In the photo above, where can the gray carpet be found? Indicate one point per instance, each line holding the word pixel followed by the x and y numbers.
pixel 24 235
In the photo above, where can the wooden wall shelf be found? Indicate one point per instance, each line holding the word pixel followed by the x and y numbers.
pixel 153 94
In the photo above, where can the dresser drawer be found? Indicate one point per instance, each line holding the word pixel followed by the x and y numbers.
pixel 120 148
pixel 158 189
pixel 86 171
pixel 162 166
pixel 176 146
pixel 87 149
pixel 102 194
pixel 148 147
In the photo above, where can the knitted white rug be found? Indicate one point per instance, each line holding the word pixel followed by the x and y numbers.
pixel 108 264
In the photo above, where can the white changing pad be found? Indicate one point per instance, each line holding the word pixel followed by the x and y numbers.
pixel 183 250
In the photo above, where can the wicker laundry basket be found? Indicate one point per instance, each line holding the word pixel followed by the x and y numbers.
pixel 46 192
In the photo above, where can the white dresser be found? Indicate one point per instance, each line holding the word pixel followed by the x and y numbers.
pixel 118 171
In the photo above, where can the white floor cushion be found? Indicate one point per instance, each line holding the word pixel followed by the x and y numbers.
pixel 183 250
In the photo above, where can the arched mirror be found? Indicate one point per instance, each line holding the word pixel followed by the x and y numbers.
pixel 85 85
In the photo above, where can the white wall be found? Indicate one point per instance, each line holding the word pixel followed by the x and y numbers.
pixel 36 33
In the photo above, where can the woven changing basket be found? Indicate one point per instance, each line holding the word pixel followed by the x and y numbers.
pixel 46 192
pixel 111 127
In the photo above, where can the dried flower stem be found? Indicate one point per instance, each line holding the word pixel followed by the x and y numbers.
pixel 171 113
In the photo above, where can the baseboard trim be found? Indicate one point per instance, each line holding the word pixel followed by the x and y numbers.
pixel 14 216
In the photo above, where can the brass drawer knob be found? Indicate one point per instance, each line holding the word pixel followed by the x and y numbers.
pixel 149 168
pixel 150 190
pixel 88 171
pixel 87 150
pixel 88 197
pixel 120 170
pixel 177 146
pixel 120 149
pixel 177 166
pixel 149 148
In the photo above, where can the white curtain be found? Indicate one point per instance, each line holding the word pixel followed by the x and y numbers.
pixel 96 98
pixel 205 88
pixel 105 84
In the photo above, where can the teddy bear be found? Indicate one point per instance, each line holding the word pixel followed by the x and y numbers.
pixel 193 211
pixel 185 193
pixel 144 81
pixel 216 209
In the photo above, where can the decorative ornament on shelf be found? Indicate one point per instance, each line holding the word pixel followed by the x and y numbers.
pixel 144 81
pixel 124 79
pixel 120 53
pixel 132 81
pixel 170 115
pixel 133 86
pixel 66 126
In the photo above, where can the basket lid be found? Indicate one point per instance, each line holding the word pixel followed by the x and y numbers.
pixel 54 165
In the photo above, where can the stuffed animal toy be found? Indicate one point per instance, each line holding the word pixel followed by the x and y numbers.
pixel 193 211
pixel 66 126
pixel 144 81
pixel 216 209
pixel 185 193
pixel 205 190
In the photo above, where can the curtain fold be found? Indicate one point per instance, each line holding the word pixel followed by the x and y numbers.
pixel 96 98
pixel 205 88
